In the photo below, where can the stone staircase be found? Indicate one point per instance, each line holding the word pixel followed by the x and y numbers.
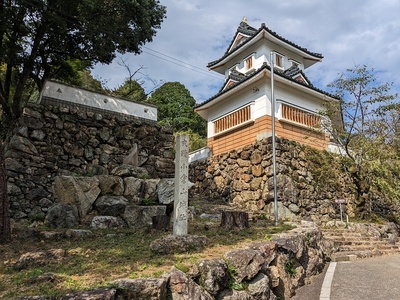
pixel 351 241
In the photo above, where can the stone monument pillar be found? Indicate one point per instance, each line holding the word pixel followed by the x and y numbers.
pixel 181 185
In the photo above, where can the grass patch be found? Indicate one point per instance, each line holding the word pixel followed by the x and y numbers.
pixel 97 261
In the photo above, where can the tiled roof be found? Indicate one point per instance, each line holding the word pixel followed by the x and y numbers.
pixel 248 30
pixel 293 71
pixel 261 69
pixel 236 76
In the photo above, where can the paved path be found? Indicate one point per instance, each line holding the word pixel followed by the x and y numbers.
pixel 375 278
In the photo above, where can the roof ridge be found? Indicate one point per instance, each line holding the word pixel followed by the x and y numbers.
pixel 265 66
pixel 247 29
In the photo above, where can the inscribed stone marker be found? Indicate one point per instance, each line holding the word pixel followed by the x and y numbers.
pixel 181 185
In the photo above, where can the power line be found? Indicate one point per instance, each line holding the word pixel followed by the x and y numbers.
pixel 175 59
pixel 181 63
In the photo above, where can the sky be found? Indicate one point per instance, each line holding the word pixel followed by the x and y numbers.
pixel 196 32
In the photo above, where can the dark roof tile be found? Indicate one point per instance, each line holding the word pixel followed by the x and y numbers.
pixel 248 30
pixel 254 73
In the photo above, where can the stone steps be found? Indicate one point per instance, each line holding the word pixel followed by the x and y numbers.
pixel 350 245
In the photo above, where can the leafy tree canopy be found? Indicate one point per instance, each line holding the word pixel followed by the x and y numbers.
pixel 40 38
pixel 368 133
pixel 175 108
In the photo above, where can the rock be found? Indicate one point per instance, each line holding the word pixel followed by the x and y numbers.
pixel 38 135
pixel 111 205
pixel 19 143
pixel 73 149
pixel 267 250
pixel 96 294
pixel 105 222
pixel 95 169
pixel 63 215
pixel 132 158
pixel 178 244
pixel 44 278
pixel 150 188
pixel 134 189
pixel 166 190
pixel 183 288
pixel 294 208
pixel 245 262
pixel 257 170
pixel 39 258
pixel 130 171
pixel 214 275
pixel 283 212
pixel 139 216
pixel 111 185
pixel 37 193
pixel 15 166
pixel 259 287
pixel 143 288
pixel 79 191
pixel 164 165
pixel 235 295
pixel 52 235
pixel 78 233
pixel 13 189
pixel 291 244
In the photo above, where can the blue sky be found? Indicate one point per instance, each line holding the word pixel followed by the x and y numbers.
pixel 196 32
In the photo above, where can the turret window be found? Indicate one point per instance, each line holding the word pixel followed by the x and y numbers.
pixel 295 63
pixel 279 60
pixel 249 63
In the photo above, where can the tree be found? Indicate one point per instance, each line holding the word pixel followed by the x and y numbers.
pixel 175 108
pixel 40 38
pixel 363 132
pixel 132 88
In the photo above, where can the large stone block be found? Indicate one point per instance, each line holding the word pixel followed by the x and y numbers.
pixel 111 205
pixel 184 288
pixel 62 215
pixel 246 262
pixel 138 216
pixel 166 190
pixel 143 288
pixel 111 185
pixel 79 191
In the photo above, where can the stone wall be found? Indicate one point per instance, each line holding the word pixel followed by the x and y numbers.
pixel 60 139
pixel 267 270
pixel 244 177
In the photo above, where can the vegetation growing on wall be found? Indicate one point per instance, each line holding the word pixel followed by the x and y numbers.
pixel 365 127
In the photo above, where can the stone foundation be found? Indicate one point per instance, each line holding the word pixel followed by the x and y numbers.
pixel 59 139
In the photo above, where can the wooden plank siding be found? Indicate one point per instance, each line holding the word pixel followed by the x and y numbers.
pixel 247 135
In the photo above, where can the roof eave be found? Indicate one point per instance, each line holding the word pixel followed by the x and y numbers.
pixel 310 89
pixel 263 31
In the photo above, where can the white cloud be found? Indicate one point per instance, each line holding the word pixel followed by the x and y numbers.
pixel 197 32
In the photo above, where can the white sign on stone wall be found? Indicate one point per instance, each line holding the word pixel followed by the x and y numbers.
pixel 75 95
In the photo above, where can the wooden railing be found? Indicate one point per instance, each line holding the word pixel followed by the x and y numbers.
pixel 233 119
pixel 300 116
